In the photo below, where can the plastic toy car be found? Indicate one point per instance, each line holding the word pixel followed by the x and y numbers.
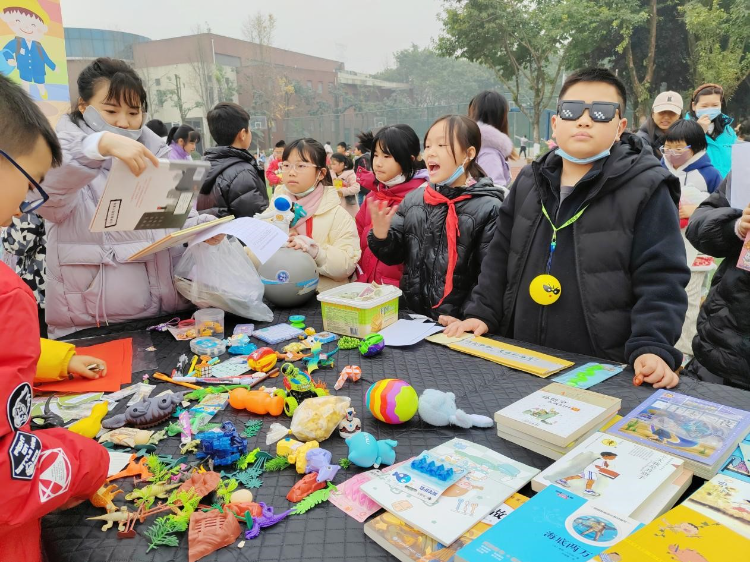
pixel 298 386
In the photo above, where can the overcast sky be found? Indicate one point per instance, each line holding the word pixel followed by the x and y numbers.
pixel 361 33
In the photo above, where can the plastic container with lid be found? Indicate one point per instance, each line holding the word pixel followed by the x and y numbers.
pixel 209 322
pixel 359 309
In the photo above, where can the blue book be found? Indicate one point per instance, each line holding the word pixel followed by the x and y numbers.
pixel 588 375
pixel 555 525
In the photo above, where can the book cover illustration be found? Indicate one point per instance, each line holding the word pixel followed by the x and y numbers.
pixel 690 427
pixel 350 499
pixel 551 412
pixel 588 375
pixel 491 478
pixel 419 478
pixel 744 261
pixel 725 499
pixel 622 473
pixel 738 464
pixel 680 535
pixel 554 525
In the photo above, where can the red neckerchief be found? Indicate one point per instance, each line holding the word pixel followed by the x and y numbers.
pixel 432 197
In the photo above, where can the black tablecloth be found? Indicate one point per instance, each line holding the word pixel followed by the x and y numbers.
pixel 326 533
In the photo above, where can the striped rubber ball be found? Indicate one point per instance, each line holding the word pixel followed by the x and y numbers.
pixel 392 401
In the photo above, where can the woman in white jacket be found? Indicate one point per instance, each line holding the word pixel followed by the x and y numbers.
pixel 89 278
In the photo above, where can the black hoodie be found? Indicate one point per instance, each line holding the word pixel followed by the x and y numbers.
pixel 234 185
pixel 621 265
pixel 417 238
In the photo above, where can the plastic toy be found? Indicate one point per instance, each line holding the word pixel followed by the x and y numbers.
pixel 298 386
pixel 325 337
pixel 147 495
pixel 392 401
pixel 298 455
pixel 127 437
pixel 350 372
pixel 223 446
pixel 317 359
pixel 439 408
pixel 319 460
pixel 350 425
pixel 291 356
pixel 209 531
pixel 305 487
pixel 256 401
pixel 262 359
pixel 239 344
pixel 267 519
pixel 294 347
pixel 426 465
pixel 203 368
pixel 202 483
pixel 366 451
pixel 244 508
pixel 372 345
pixel 213 347
pixel 133 469
pixel 241 496
pixel 310 331
pixel 120 517
pixel 297 321
pixel 91 424
pixel 348 342
pixel 103 497
pixel 316 498
pixel 146 413
pixel 290 278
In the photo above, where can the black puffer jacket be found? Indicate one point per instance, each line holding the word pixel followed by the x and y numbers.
pixel 417 238
pixel 722 346
pixel 621 265
pixel 234 185
pixel 655 140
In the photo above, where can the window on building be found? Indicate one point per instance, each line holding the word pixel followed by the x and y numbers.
pixel 309 84
pixel 330 87
pixel 157 82
pixel 320 87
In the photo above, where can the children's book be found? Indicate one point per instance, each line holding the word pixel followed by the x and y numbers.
pixel 558 414
pixel 726 500
pixel 681 535
pixel 512 356
pixel 553 526
pixel 623 474
pixel 177 238
pixel 744 261
pixel 409 545
pixel 702 432
pixel 491 479
pixel 588 375
pixel 738 464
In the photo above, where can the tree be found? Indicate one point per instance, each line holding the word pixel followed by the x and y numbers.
pixel 260 28
pixel 226 87
pixel 175 96
pixel 524 42
pixel 719 41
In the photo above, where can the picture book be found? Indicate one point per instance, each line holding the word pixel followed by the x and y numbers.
pixel 623 474
pixel 427 477
pixel 409 545
pixel 553 526
pixel 738 464
pixel 588 375
pixel 681 535
pixel 177 238
pixel 726 500
pixel 491 478
pixel 695 429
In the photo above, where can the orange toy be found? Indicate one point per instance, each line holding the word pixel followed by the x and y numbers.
pixel 263 359
pixel 133 469
pixel 256 401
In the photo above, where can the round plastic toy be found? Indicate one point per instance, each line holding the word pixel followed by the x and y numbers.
pixel 297 321
pixel 290 277
pixel 213 347
pixel 545 289
pixel 371 345
pixel 392 401
pixel 263 359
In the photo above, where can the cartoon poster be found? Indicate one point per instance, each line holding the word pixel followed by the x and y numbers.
pixel 33 52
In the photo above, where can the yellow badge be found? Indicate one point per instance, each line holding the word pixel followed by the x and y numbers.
pixel 545 289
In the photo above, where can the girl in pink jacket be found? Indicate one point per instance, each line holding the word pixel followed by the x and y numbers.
pixel 345 182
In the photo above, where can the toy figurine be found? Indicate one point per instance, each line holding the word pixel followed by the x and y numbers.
pixel 439 408
pixel 147 495
pixel 305 487
pixel 319 460
pixel 262 359
pixel 182 365
pixel 147 412
pixel 256 401
pixel 366 451
pixel 267 519
pixel 286 446
pixel 317 359
pixel 103 497
pixel 350 425
pixel 223 446
pixel 120 517
pixel 372 345
pixel 298 456
pixel 298 387
pixel 350 372
pixel 239 344
pixel 91 424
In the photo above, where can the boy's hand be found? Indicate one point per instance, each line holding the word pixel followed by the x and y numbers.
pixel 381 215
pixel 133 153
pixel 705 123
pixel 470 325
pixel 652 369
pixel 686 211
pixel 79 364
pixel 744 226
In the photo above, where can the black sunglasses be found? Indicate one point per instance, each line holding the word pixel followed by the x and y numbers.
pixel 28 206
pixel 600 111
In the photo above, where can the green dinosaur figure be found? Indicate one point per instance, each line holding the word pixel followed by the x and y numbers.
pixel 147 495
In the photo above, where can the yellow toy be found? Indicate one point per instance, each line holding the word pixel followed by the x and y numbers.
pixel 298 457
pixel 287 446
pixel 310 331
pixel 91 424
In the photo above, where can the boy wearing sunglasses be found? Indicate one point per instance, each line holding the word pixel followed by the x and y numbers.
pixel 588 257
pixel 40 471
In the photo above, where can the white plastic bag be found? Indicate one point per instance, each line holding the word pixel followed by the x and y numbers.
pixel 222 276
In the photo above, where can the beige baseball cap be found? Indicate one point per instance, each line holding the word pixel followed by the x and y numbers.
pixel 668 101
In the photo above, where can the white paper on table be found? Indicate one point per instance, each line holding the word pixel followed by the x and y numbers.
pixel 117 461
pixel 408 332
pixel 740 186
pixel 262 238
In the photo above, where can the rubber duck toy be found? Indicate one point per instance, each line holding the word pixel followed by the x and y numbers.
pixel 91 424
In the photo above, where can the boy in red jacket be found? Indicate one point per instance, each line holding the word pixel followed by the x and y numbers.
pixel 40 471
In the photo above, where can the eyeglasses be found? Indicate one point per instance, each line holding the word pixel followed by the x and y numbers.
pixel 28 205
pixel 600 111
pixel 674 151
pixel 298 167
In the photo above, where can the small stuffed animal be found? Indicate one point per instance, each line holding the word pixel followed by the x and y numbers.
pixel 439 408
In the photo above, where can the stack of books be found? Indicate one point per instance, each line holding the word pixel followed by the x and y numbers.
pixel 633 480
pixel 703 433
pixel 554 420
pixel 725 500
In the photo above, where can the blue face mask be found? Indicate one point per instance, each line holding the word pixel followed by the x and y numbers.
pixel 457 174
pixel 590 159
pixel 712 112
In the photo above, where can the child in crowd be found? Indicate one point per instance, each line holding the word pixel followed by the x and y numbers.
pixel 345 182
pixel 685 156
pixel 158 127
pixel 490 110
pixel 89 277
pixel 588 256
pixel 273 175
pixel 722 345
pixel 33 464
pixel 181 142
pixel 706 110
pixel 440 232
pixel 396 172
pixel 327 232
pixel 234 185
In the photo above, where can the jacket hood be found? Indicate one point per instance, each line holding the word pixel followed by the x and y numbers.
pixel 223 158
pixel 484 187
pixel 697 162
pixel 492 138
pixel 629 158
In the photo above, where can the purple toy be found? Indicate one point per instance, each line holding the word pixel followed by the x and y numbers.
pixel 147 412
pixel 266 520
pixel 319 460
pixel 371 345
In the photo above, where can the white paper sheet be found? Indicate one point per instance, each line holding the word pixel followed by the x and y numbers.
pixel 262 238
pixel 408 332
pixel 117 461
pixel 740 196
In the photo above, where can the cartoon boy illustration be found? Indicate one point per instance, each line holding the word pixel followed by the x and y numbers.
pixel 590 474
pixel 594 527
pixel 28 20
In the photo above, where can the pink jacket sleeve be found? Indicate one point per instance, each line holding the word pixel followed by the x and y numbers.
pixel 351 187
